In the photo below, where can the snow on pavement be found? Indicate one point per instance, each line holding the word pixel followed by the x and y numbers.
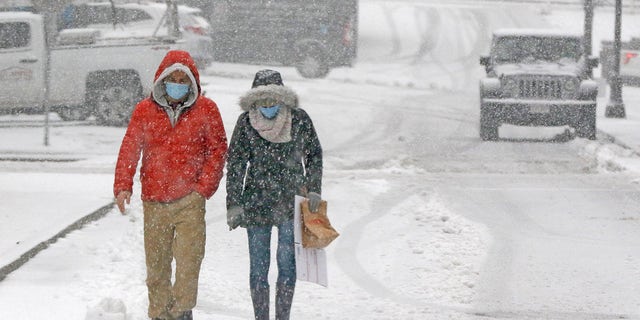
pixel 424 258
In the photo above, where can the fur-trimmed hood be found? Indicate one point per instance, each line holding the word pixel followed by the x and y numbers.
pixel 283 94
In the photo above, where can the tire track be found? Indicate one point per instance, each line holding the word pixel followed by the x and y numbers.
pixel 472 39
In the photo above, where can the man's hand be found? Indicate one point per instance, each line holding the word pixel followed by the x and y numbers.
pixel 123 196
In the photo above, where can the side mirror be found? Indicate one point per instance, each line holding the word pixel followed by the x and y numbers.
pixel 485 61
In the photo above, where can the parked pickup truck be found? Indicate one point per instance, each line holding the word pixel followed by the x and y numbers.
pixel 88 76
pixel 629 61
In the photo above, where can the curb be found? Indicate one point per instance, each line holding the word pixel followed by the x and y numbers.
pixel 25 257
pixel 612 139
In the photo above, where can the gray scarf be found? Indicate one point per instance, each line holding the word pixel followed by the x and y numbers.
pixel 277 130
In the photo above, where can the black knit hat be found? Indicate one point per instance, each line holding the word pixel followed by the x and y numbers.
pixel 266 77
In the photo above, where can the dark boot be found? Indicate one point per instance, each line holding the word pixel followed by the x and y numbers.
pixel 284 297
pixel 165 316
pixel 260 299
pixel 187 315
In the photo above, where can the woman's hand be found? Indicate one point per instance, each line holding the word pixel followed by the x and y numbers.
pixel 314 201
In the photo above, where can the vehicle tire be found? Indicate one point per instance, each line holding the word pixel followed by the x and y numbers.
pixel 312 63
pixel 488 124
pixel 78 113
pixel 113 99
pixel 586 127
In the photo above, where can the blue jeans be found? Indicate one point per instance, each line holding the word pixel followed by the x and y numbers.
pixel 260 255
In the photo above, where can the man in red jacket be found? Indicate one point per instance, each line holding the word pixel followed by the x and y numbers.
pixel 183 144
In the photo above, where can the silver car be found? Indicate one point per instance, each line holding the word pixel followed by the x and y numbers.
pixel 134 20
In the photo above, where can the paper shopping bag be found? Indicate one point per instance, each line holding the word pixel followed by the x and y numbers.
pixel 317 231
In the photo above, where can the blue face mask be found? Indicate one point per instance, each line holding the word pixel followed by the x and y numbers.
pixel 176 91
pixel 270 112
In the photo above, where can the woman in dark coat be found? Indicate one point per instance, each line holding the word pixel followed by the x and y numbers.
pixel 274 155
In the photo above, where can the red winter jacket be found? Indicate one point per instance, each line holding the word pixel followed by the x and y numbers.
pixel 182 151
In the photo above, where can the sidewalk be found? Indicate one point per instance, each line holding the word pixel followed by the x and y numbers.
pixel 625 131
pixel 45 189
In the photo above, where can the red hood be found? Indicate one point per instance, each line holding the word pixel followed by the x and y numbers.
pixel 182 57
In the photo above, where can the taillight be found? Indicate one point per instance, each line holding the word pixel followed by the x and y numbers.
pixel 628 56
pixel 347 34
pixel 195 29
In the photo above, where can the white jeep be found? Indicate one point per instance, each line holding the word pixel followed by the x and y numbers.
pixel 537 77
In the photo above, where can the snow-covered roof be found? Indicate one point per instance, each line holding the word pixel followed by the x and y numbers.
pixel 15 3
pixel 16 15
pixel 536 32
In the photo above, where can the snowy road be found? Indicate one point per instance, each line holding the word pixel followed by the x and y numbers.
pixel 565 245
pixel 435 224
pixel 563 228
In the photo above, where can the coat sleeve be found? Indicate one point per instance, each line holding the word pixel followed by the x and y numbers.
pixel 129 152
pixel 312 155
pixel 215 141
pixel 237 162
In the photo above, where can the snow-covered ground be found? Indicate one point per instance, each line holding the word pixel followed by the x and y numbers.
pixel 399 256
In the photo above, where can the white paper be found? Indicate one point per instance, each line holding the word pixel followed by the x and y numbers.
pixel 311 264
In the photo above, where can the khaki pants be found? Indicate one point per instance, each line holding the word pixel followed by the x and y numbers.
pixel 174 230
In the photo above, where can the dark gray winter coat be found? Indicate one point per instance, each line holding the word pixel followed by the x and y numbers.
pixel 263 177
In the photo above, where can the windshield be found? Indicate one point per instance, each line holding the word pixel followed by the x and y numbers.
pixel 518 49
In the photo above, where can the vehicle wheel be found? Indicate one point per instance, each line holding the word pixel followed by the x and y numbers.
pixel 312 63
pixel 73 113
pixel 488 125
pixel 586 127
pixel 114 102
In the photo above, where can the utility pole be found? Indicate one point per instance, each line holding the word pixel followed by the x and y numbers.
pixel 173 19
pixel 588 31
pixel 48 9
pixel 615 106
pixel 114 13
